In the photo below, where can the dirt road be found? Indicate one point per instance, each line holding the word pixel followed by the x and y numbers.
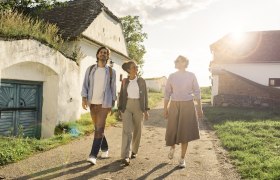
pixel 205 159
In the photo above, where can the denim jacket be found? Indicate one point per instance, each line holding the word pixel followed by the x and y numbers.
pixel 109 89
pixel 142 91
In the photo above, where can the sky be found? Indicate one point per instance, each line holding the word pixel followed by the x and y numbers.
pixel 189 27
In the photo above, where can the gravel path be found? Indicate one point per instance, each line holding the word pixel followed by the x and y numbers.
pixel 206 160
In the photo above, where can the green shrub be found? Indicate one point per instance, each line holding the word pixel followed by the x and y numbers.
pixel 61 128
pixel 13 149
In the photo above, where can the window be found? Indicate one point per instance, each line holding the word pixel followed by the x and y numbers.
pixel 275 82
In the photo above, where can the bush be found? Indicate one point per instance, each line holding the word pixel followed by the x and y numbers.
pixel 61 128
pixel 13 149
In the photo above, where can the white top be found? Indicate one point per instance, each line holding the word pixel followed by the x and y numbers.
pixel 133 89
pixel 98 88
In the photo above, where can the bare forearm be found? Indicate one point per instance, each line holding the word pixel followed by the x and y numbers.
pixel 166 102
pixel 199 106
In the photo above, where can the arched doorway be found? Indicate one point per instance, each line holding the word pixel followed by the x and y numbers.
pixel 20 108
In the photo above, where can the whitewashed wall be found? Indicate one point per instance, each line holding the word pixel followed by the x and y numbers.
pixel 29 60
pixel 156 84
pixel 106 30
pixel 257 72
pixel 215 87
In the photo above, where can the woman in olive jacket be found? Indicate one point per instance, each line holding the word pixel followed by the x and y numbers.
pixel 133 104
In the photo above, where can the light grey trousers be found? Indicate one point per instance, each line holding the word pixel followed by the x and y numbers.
pixel 132 119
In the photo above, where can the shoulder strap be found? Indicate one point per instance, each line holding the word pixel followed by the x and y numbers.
pixel 111 72
pixel 91 67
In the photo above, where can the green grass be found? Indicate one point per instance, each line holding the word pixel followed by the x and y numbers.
pixel 15 148
pixel 205 95
pixel 14 25
pixel 205 92
pixel 154 98
pixel 252 138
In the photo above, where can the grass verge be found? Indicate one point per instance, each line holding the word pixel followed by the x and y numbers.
pixel 154 98
pixel 252 138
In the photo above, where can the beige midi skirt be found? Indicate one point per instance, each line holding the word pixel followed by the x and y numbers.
pixel 182 125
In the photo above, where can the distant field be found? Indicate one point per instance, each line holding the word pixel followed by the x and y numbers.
pixel 205 94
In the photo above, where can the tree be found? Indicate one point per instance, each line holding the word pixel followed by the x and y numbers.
pixel 132 29
pixel 31 7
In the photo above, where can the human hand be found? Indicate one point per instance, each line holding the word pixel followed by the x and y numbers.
pixel 84 104
pixel 146 115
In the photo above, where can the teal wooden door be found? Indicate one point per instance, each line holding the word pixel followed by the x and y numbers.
pixel 20 108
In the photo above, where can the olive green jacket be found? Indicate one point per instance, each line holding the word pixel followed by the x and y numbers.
pixel 142 92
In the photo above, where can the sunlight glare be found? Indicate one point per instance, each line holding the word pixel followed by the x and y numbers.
pixel 237 37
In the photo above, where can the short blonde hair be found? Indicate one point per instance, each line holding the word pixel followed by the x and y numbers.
pixel 183 59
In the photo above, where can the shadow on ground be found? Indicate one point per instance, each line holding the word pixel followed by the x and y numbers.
pixel 145 176
pixel 80 167
pixel 157 118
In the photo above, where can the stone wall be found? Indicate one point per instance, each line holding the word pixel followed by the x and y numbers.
pixel 238 91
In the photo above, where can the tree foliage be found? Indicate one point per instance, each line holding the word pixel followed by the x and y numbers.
pixel 30 7
pixel 132 29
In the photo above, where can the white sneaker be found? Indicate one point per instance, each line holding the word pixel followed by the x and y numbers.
pixel 171 153
pixel 126 161
pixel 105 154
pixel 92 160
pixel 182 163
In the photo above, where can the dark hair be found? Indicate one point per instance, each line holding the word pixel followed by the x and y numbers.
pixel 126 65
pixel 108 52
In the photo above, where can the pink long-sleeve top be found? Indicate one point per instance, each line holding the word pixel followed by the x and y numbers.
pixel 182 86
